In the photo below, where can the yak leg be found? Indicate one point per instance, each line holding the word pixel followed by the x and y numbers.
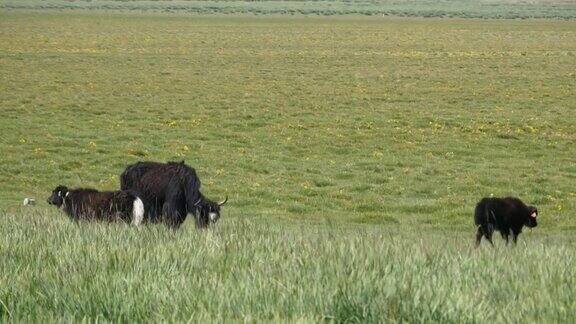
pixel 174 213
pixel 505 236
pixel 488 231
pixel 479 235
pixel 201 222
pixel 489 238
pixel 170 214
pixel 182 213
pixel 515 234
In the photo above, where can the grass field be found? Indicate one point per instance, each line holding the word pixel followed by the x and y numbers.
pixel 353 150
pixel 248 271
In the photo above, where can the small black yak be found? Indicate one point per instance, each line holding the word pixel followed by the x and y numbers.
pixel 506 215
pixel 92 204
pixel 170 192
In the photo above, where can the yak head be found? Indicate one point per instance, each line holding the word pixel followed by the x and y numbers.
pixel 57 196
pixel 533 214
pixel 208 211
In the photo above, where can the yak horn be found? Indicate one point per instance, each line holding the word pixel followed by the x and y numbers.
pixel 198 202
pixel 222 203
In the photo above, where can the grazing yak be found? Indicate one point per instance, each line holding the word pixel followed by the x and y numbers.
pixel 98 205
pixel 170 192
pixel 506 215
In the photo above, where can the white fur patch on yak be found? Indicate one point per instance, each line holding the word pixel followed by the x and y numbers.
pixel 137 212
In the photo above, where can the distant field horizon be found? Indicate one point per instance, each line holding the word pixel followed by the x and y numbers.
pixel 488 9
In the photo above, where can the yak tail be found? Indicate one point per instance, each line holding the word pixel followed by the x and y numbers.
pixel 137 211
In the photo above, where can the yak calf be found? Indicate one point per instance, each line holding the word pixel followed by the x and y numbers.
pixel 506 215
pixel 92 204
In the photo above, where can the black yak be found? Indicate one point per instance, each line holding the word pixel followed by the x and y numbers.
pixel 92 204
pixel 170 192
pixel 506 215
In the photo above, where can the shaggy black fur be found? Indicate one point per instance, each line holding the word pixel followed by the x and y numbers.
pixel 506 215
pixel 93 204
pixel 170 191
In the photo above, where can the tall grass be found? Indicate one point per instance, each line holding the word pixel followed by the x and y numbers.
pixel 51 269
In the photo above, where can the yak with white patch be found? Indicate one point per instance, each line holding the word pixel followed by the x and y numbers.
pixel 91 204
pixel 170 192
pixel 506 215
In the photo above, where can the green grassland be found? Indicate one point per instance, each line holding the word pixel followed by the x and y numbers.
pixel 353 150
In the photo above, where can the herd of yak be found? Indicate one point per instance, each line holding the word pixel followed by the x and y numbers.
pixel 149 192
pixel 168 192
